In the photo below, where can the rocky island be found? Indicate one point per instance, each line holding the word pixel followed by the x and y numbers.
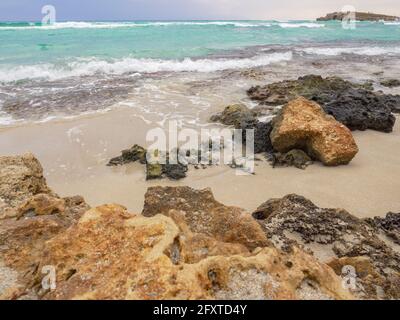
pixel 360 16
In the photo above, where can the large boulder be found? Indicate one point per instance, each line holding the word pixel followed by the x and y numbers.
pixel 335 237
pixel 302 124
pixel 355 105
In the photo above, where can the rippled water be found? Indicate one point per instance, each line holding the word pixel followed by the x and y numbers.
pixel 78 67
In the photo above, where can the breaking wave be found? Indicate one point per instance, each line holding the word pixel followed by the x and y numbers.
pixel 110 25
pixel 84 67
pixel 301 25
pixel 366 51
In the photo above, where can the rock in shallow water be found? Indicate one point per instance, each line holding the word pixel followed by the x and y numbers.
pixel 354 105
pixel 302 124
pixel 136 153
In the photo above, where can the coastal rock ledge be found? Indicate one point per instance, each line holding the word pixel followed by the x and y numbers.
pixel 186 245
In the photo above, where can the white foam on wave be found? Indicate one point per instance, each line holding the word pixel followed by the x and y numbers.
pixel 6 120
pixel 301 25
pixel 110 25
pixel 366 51
pixel 103 25
pixel 84 67
pixel 205 23
pixel 70 25
pixel 392 23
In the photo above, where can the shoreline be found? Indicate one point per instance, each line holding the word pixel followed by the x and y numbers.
pixel 74 152
pixel 79 153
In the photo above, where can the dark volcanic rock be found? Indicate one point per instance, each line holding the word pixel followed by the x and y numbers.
pixel 390 83
pixel 359 109
pixel 354 105
pixel 262 131
pixel 279 93
pixel 172 171
pixel 390 225
pixel 296 158
pixel 153 170
pixel 243 118
pixel 332 235
pixel 392 101
pixel 136 153
pixel 175 171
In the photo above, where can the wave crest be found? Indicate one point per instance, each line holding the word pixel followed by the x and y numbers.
pixel 365 51
pixel 86 67
pixel 110 25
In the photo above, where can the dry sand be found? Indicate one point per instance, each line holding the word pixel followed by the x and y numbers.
pixel 74 154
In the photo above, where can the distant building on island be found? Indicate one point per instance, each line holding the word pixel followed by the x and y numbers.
pixel 360 16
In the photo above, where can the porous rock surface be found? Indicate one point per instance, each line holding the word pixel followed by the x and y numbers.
pixel 336 237
pixel 302 124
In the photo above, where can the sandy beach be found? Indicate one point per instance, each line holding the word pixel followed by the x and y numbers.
pixel 74 155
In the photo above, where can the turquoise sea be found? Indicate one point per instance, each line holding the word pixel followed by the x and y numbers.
pixel 30 50
pixel 35 59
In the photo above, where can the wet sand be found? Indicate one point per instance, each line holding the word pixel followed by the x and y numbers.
pixel 74 154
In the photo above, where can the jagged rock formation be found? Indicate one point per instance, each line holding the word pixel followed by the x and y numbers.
pixel 360 16
pixel 389 225
pixel 111 254
pixel 354 105
pixel 337 238
pixel 302 124
pixel 187 245
pixel 196 248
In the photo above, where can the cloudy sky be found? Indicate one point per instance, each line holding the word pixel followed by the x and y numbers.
pixel 23 10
